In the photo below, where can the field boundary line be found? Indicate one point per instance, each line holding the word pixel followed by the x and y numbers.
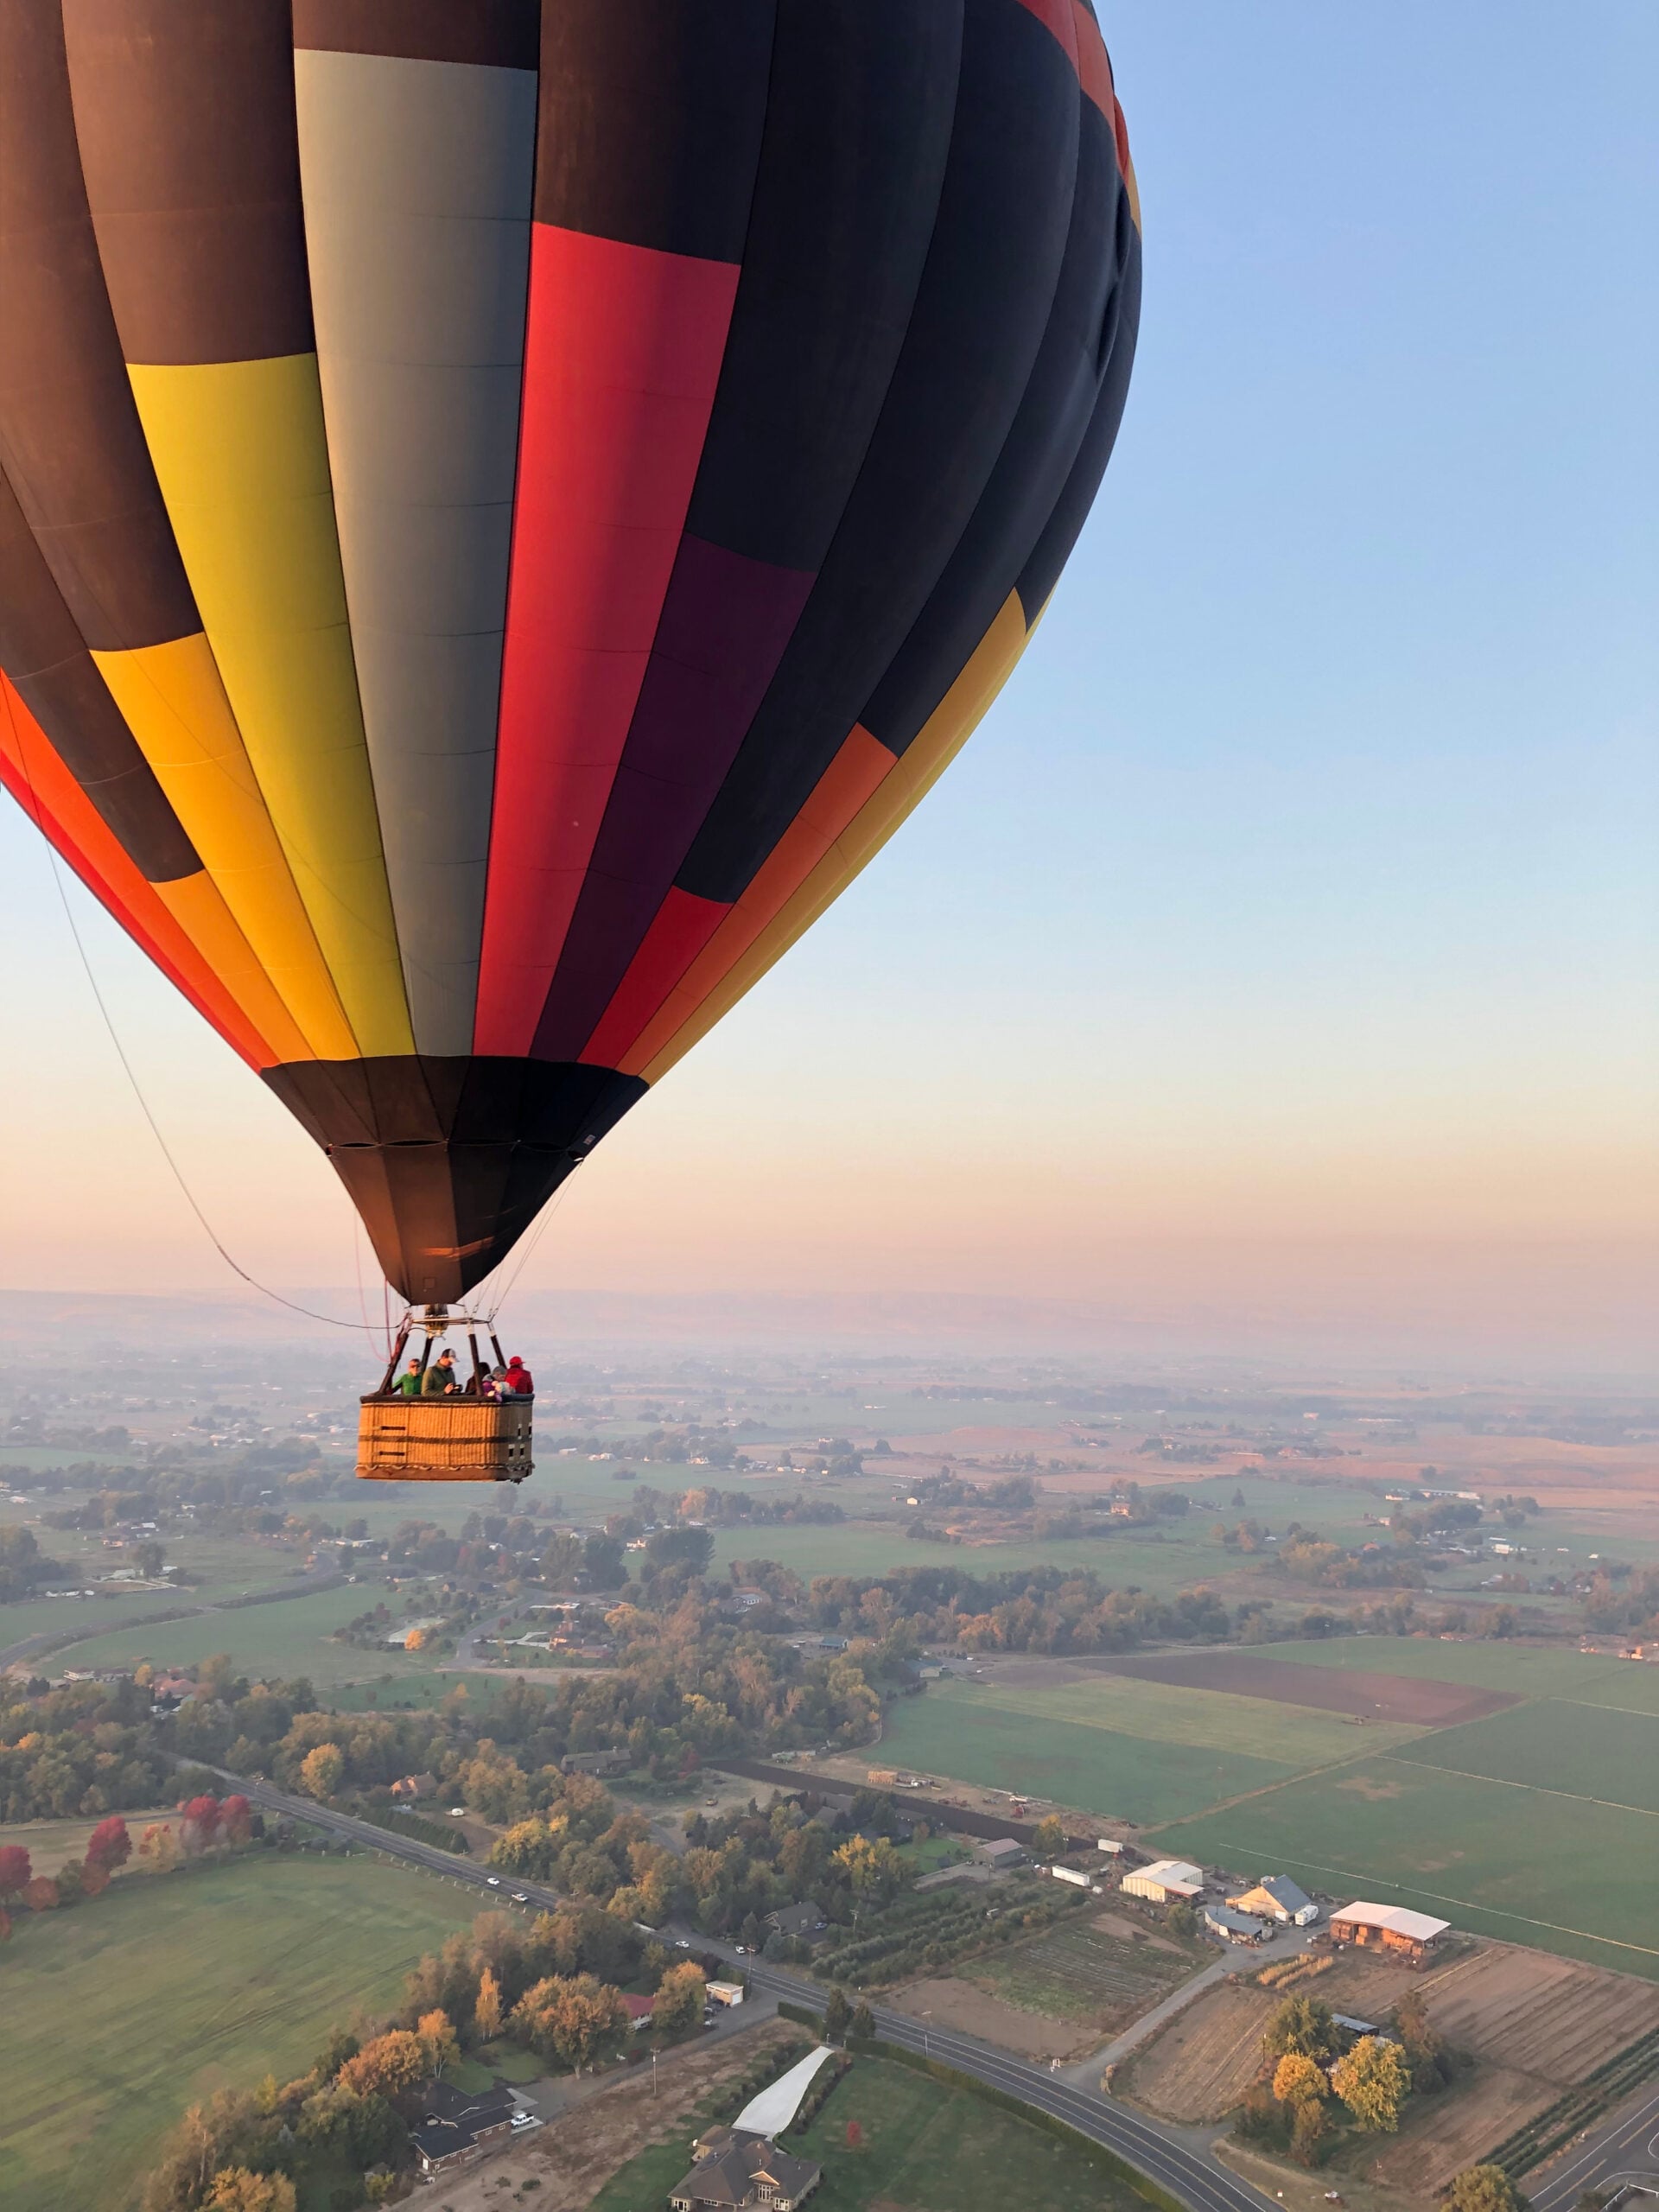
pixel 1466 1904
pixel 1541 1789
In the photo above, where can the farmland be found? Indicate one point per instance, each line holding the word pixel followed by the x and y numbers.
pixel 1604 1754
pixel 1564 1872
pixel 1101 1975
pixel 166 1989
pixel 286 1637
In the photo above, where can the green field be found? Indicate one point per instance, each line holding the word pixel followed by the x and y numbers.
pixel 1631 1687
pixel 1528 1670
pixel 1295 1736
pixel 287 1638
pixel 1562 1872
pixel 120 2013
pixel 1127 1777
pixel 926 2144
pixel 1595 1752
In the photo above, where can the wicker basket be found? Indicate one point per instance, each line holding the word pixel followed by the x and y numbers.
pixel 443 1439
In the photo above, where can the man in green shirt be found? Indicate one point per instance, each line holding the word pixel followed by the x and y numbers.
pixel 440 1376
pixel 408 1384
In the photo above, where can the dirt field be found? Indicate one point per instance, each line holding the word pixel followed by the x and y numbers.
pixel 954 2003
pixel 1531 2023
pixel 1200 2066
pixel 1417 1700
pixel 1090 1979
pixel 573 2156
pixel 1440 2136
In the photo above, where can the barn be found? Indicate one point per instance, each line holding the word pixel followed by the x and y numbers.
pixel 1411 1936
pixel 1166 1881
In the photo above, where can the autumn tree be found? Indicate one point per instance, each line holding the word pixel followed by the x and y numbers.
pixel 1373 2081
pixel 159 1847
pixel 1048 1838
pixel 677 2003
pixel 1309 2129
pixel 1303 2025
pixel 388 2066
pixel 873 1869
pixel 109 1846
pixel 486 2013
pixel 1483 2189
pixel 41 1894
pixel 577 2020
pixel 1298 2079
pixel 15 1870
pixel 322 1770
pixel 198 1824
pixel 1425 2050
pixel 442 2043
pixel 235 2189
pixel 236 1818
pixel 837 2015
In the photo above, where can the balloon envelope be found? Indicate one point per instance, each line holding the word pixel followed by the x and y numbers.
pixel 506 506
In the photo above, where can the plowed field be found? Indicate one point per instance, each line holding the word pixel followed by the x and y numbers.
pixel 1417 1700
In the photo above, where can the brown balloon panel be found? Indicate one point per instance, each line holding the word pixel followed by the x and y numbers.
pixel 505 509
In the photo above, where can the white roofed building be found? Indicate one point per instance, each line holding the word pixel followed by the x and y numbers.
pixel 1166 1881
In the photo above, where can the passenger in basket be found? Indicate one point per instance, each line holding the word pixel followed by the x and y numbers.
pixel 442 1381
pixel 517 1382
pixel 408 1384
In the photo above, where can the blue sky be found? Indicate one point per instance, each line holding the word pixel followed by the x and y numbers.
pixel 1302 884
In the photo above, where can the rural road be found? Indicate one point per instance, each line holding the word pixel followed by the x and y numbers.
pixel 1180 2162
pixel 1623 2150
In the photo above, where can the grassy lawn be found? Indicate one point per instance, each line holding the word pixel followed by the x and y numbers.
pixel 1562 1872
pixel 1296 1737
pixel 954 1730
pixel 924 2145
pixel 118 2014
pixel 928 1857
pixel 406 1691
pixel 287 1638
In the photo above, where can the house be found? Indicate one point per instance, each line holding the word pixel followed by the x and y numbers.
pixel 1275 1897
pixel 1166 1881
pixel 638 2010
pixel 455 2126
pixel 832 1644
pixel 1412 1936
pixel 1003 1853
pixel 746 1601
pixel 597 1763
pixel 415 1785
pixel 799 1922
pixel 1234 1926
pixel 750 2172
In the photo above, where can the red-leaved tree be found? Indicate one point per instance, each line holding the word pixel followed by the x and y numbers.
pixel 15 1870
pixel 198 1823
pixel 109 1845
pixel 236 1818
pixel 41 1894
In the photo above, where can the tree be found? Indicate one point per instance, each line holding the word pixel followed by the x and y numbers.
pixel 837 2015
pixel 15 1870
pixel 606 1561
pixel 94 1879
pixel 198 1824
pixel 1484 2189
pixel 236 1818
pixel 1424 2049
pixel 693 1548
pixel 159 1847
pixel 70 1882
pixel 577 2019
pixel 40 1895
pixel 1048 1839
pixel 442 2046
pixel 322 1770
pixel 677 2004
pixel 1180 1918
pixel 1307 2131
pixel 872 1870
pixel 486 2013
pixel 236 2190
pixel 863 2022
pixel 1302 2025
pixel 1373 2081
pixel 1300 2080
pixel 388 2066
pixel 562 1562
pixel 109 1845
pixel 149 1558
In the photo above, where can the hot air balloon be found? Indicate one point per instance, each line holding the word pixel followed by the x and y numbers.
pixel 505 505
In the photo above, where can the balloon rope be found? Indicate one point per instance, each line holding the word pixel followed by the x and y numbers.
pixel 155 1127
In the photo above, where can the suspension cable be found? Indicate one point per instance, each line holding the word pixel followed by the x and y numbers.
pixel 234 1265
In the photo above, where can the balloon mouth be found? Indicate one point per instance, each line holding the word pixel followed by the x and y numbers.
pixel 449 1162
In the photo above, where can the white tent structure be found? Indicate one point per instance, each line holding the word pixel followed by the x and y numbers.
pixel 769 2112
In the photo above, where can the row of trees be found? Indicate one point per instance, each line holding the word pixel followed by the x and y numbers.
pixel 205 1823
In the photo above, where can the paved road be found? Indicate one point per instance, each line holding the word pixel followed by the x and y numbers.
pixel 1624 2148
pixel 1181 2161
